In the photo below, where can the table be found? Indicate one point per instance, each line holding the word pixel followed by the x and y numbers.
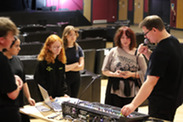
pixel 42 111
pixel 46 114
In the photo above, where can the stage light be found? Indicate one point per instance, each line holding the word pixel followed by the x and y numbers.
pixel 62 1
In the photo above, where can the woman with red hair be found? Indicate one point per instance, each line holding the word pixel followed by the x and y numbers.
pixel 50 71
pixel 124 68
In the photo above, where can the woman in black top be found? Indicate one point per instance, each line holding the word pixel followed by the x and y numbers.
pixel 17 69
pixel 75 59
pixel 50 71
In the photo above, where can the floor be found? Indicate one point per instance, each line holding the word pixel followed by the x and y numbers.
pixel 144 109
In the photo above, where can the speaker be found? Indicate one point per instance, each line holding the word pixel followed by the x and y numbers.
pixel 92 93
pixel 29 62
pixel 89 55
pixel 32 48
pixel 33 88
pixel 92 43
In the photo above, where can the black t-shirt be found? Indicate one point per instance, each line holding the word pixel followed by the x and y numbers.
pixel 52 77
pixel 7 83
pixel 74 54
pixel 17 69
pixel 166 62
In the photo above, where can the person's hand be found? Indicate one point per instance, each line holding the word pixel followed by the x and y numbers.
pixel 142 49
pixel 51 98
pixel 31 101
pixel 65 95
pixel 127 109
pixel 126 74
pixel 18 81
pixel 118 73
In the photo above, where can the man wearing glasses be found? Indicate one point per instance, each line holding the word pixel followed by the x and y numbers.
pixel 163 81
pixel 10 85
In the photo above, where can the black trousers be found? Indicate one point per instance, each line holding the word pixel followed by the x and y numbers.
pixel 73 82
pixel 118 101
pixel 24 118
pixel 115 100
pixel 112 99
pixel 9 114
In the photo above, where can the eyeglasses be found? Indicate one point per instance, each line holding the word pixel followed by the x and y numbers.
pixel 147 32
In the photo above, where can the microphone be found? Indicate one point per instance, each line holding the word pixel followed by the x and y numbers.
pixel 146 42
pixel 93 79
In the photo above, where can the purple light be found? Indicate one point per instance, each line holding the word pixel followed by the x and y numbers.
pixel 70 5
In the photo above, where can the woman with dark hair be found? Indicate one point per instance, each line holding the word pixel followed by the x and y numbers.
pixel 17 69
pixel 124 68
pixel 50 71
pixel 75 59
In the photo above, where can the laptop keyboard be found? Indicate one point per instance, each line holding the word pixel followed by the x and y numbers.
pixel 56 106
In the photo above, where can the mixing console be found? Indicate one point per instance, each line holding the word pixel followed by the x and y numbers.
pixel 97 112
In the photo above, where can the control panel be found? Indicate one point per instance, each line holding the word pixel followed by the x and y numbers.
pixel 97 112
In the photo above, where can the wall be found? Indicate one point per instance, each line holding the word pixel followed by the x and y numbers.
pixel 146 7
pixel 173 11
pixel 99 11
pixel 179 19
pixel 160 8
pixel 122 9
pixel 87 9
pixel 104 11
pixel 112 7
pixel 130 11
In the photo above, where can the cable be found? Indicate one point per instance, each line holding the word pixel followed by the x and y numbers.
pixel 93 79
pixel 137 63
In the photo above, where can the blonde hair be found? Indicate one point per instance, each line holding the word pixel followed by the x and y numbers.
pixel 66 32
pixel 152 21
pixel 7 25
pixel 46 54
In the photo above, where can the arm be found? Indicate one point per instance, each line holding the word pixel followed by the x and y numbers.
pixel 108 73
pixel 27 94
pixel 119 73
pixel 69 67
pixel 14 94
pixel 142 95
pixel 137 74
pixel 128 74
pixel 140 61
pixel 80 65
pixel 75 66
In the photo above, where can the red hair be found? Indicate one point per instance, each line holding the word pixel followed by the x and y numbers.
pixel 46 54
pixel 129 33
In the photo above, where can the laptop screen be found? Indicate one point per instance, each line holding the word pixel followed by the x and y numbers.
pixel 45 95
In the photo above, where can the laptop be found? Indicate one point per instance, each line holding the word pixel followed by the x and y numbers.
pixel 54 105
